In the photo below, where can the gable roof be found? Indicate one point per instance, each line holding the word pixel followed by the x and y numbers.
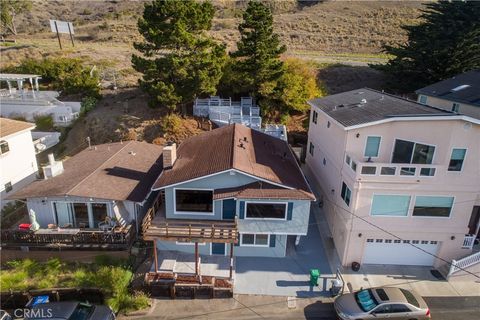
pixel 464 88
pixel 261 190
pixel 9 126
pixel 366 105
pixel 235 147
pixel 114 171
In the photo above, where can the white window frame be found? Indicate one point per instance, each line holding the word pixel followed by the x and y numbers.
pixel 110 212
pixel 226 249
pixel 351 193
pixel 254 240
pixel 8 146
pixel 264 202
pixel 463 163
pixel 409 209
pixel 421 97
pixel 411 157
pixel 314 116
pixel 379 145
pixel 212 213
pixel 456 106
pixel 432 195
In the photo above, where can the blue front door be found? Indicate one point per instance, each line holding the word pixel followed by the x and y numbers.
pixel 218 248
pixel 229 209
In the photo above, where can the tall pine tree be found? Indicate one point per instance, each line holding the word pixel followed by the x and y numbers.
pixel 443 45
pixel 179 60
pixel 257 59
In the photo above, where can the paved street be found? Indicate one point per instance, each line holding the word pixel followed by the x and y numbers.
pixel 274 307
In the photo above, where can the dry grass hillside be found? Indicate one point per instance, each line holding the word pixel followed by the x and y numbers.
pixel 342 36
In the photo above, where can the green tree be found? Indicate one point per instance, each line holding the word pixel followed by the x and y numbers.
pixel 179 60
pixel 258 63
pixel 9 9
pixel 444 44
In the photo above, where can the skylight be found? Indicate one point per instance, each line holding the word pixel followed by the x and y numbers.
pixel 463 86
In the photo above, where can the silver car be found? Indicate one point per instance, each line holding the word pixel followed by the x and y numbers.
pixel 382 303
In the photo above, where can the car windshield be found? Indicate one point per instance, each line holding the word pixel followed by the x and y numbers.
pixel 365 300
pixel 82 312
pixel 410 298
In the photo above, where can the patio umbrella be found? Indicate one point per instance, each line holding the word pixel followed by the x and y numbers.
pixel 34 226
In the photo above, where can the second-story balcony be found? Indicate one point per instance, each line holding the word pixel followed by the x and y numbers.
pixel 369 170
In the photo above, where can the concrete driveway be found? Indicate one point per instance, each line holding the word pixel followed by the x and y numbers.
pixel 286 276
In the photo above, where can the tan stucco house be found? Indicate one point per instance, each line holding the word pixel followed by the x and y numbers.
pixel 399 180
pixel 460 94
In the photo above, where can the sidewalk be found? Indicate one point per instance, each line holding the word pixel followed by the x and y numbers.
pixel 414 278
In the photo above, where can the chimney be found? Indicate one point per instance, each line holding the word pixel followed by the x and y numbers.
pixel 169 155
pixel 53 169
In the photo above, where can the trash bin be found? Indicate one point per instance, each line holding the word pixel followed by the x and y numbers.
pixel 314 275
pixel 336 287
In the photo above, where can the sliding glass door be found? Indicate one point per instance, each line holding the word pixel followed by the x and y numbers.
pixel 79 215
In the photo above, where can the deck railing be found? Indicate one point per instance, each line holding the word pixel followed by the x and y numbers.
pixel 117 237
pixel 463 263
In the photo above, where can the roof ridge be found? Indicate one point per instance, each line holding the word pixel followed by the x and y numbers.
pixel 94 171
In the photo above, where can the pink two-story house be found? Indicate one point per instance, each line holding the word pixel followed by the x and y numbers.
pixel 400 181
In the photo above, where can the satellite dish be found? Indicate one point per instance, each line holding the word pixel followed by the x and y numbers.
pixel 40 146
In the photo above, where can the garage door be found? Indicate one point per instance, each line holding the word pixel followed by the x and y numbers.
pixel 389 251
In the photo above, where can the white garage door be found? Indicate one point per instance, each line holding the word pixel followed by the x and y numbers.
pixel 388 251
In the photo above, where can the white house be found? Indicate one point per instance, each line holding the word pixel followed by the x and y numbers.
pixel 18 165
pixel 22 102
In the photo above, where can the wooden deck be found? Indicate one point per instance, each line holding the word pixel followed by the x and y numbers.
pixel 158 227
pixel 120 238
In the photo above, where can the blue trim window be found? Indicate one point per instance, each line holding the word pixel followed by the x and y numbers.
pixel 372 147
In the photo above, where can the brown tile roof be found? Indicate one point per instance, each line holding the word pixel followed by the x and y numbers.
pixel 9 126
pixel 261 190
pixel 235 147
pixel 114 171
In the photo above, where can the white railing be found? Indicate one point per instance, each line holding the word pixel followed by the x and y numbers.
pixel 468 241
pixel 403 170
pixel 464 263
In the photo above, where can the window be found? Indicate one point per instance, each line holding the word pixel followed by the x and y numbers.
pixel 194 201
pixel 456 107
pixel 400 308
pixel 372 147
pixel 422 99
pixel 99 213
pixel 410 297
pixel 314 116
pixel 346 194
pixel 407 171
pixel 390 205
pixel 351 163
pixel 387 171
pixel 365 300
pixel 311 149
pixel 266 210
pixel 250 239
pixel 81 215
pixel 328 124
pixel 411 152
pixel 4 148
pixel 369 170
pixel 428 206
pixel 427 172
pixel 324 161
pixel 456 159
pixel 8 187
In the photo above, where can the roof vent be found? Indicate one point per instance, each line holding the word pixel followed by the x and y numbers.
pixel 132 153
pixel 53 169
pixel 363 101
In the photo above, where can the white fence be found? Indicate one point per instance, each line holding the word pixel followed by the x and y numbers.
pixel 464 263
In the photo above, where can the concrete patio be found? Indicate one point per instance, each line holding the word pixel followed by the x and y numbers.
pixel 184 263
pixel 286 276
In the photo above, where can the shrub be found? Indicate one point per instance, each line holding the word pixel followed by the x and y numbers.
pixel 69 75
pixel 171 124
pixel 44 122
pixel 87 105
